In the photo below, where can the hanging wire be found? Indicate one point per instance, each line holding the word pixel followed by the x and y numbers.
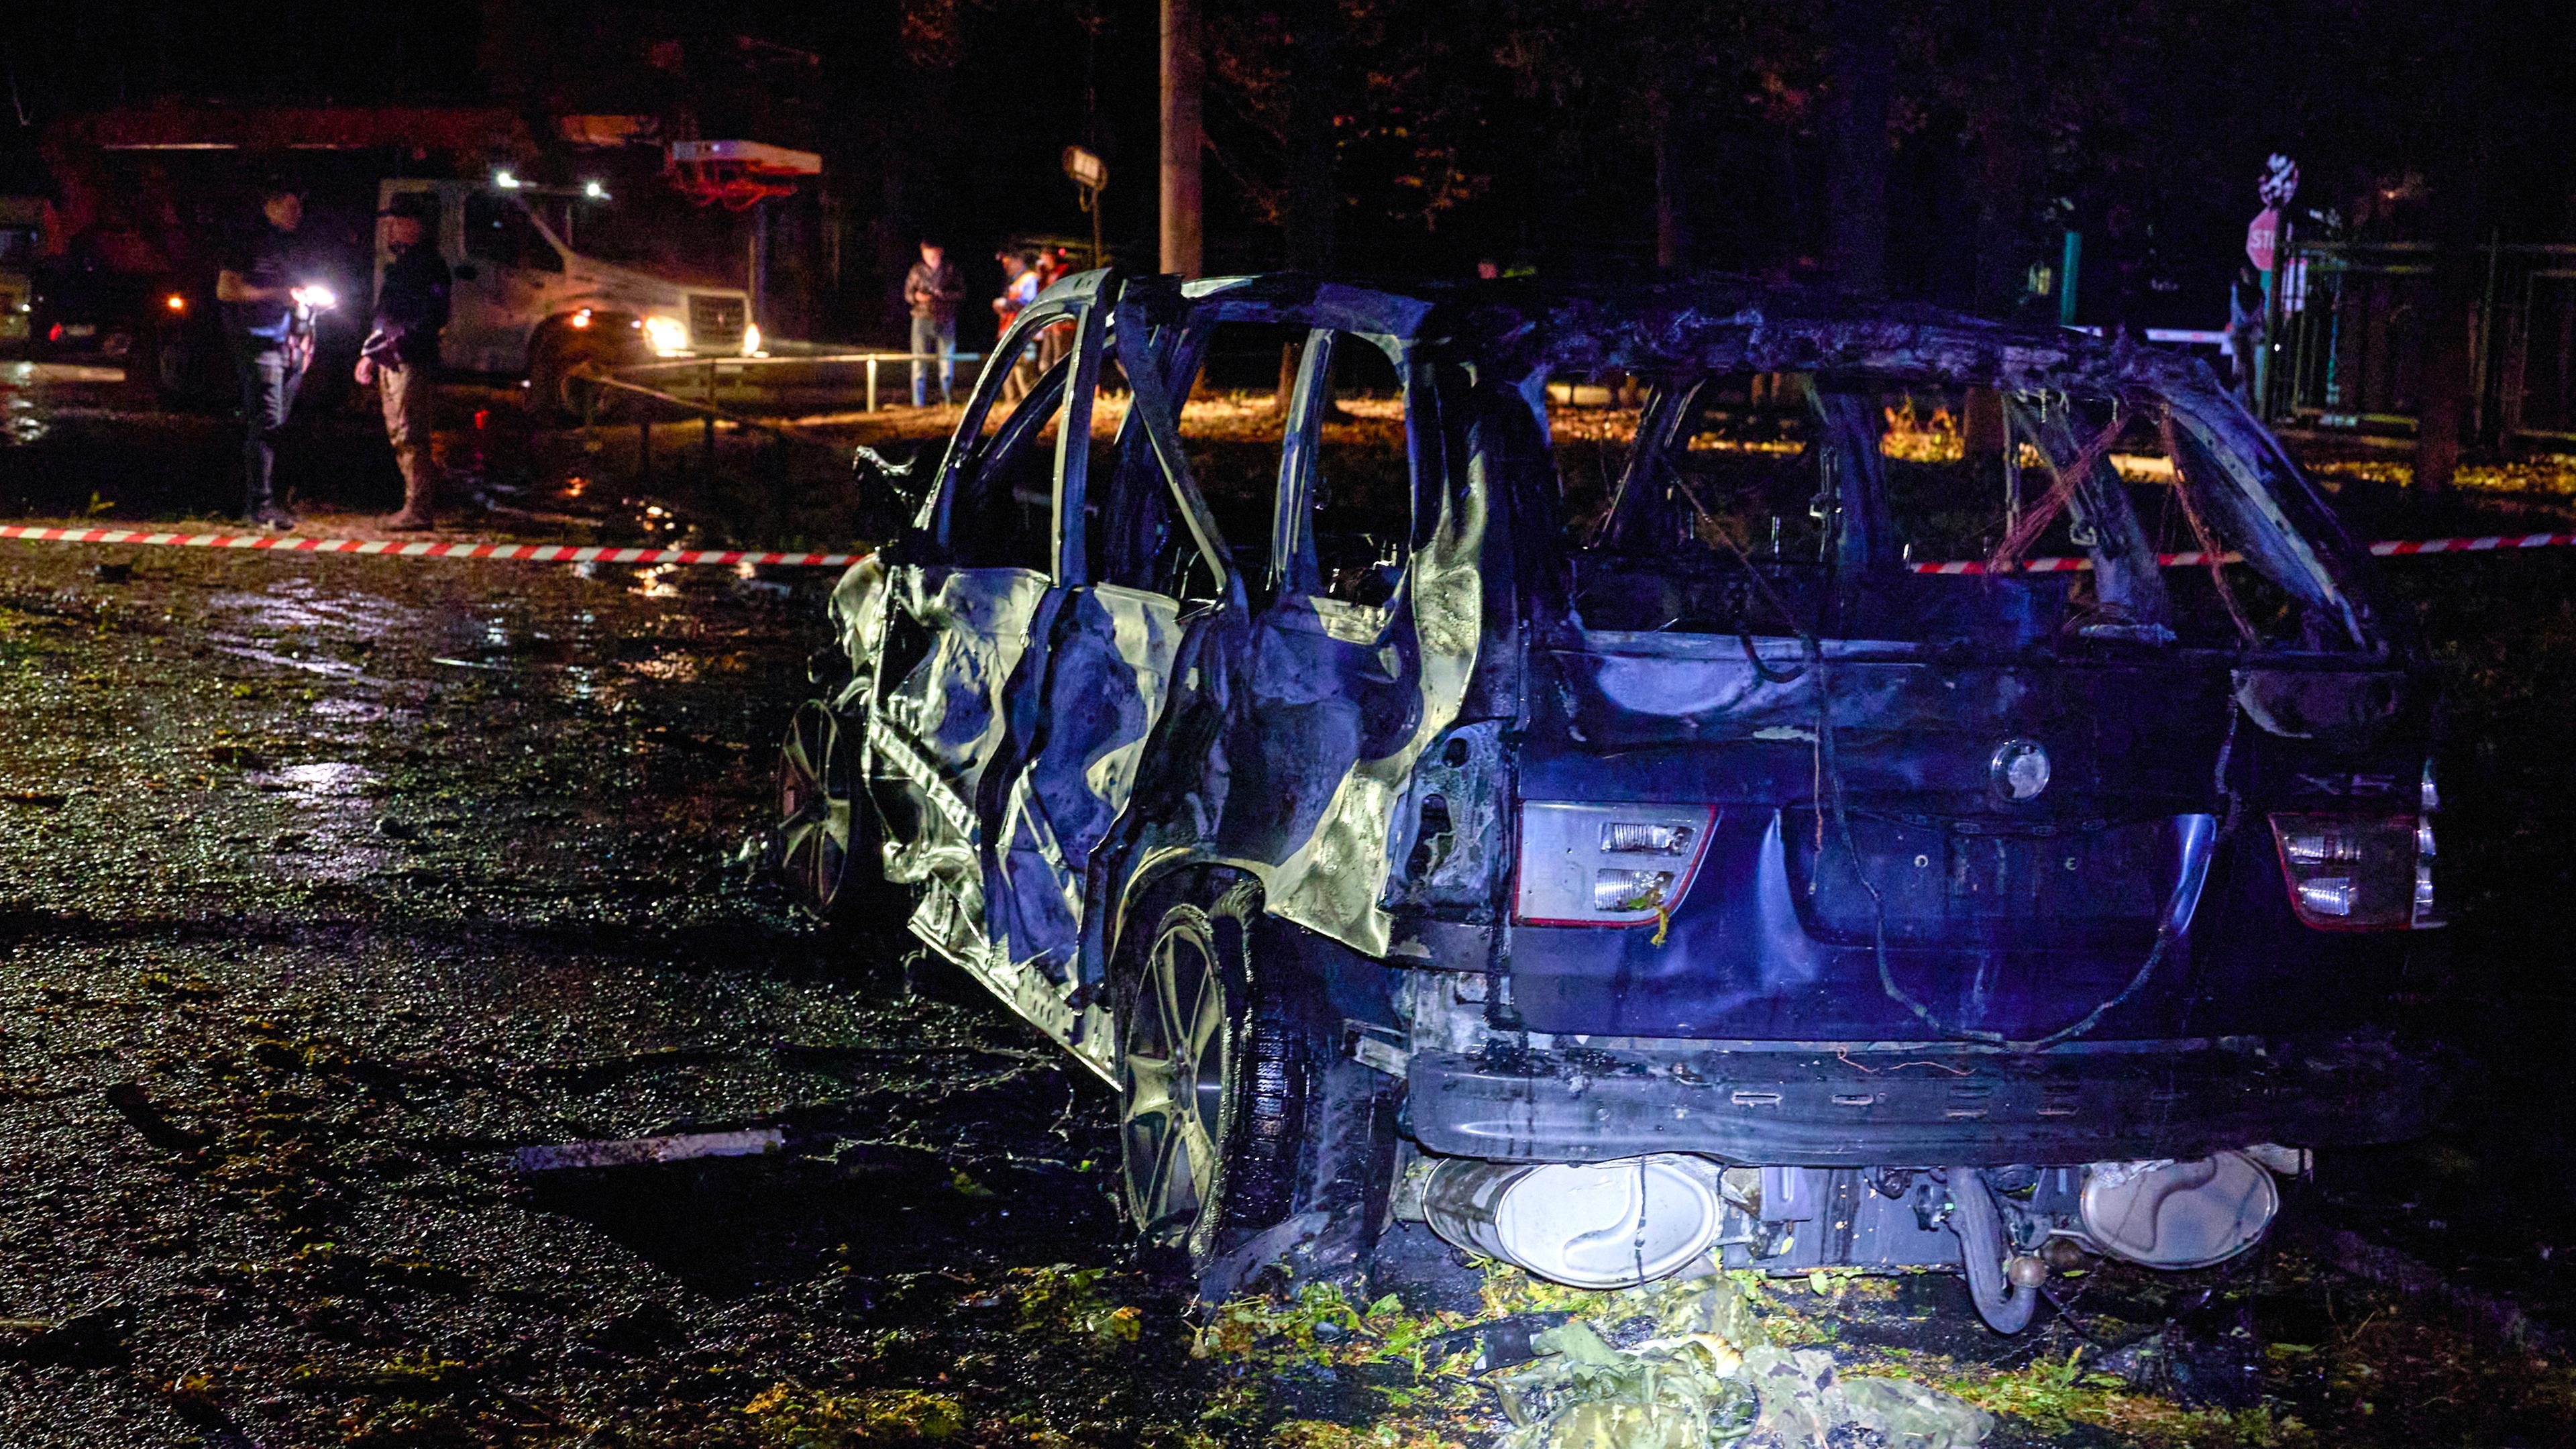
pixel 1829 769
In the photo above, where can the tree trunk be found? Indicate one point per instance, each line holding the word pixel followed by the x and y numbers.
pixel 1314 88
pixel 1184 66
pixel 2475 131
pixel 1671 242
pixel 1861 67
pixel 1997 175
pixel 2447 365
pixel 2447 375
pixel 1314 198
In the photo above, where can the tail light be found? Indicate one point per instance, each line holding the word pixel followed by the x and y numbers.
pixel 2425 915
pixel 2357 873
pixel 1607 865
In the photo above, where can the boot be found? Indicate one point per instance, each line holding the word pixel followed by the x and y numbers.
pixel 417 514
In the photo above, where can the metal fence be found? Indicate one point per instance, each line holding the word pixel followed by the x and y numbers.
pixel 2352 335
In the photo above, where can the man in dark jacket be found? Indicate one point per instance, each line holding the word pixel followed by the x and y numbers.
pixel 268 318
pixel 401 353
pixel 932 290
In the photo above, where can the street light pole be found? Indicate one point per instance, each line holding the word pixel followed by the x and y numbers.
pixel 1183 67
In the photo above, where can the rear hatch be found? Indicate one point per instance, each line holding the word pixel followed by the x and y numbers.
pixel 1987 803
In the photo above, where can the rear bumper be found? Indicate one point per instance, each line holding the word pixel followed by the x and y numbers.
pixel 1878 1108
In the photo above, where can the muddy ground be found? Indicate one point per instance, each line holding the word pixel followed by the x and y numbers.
pixel 327 884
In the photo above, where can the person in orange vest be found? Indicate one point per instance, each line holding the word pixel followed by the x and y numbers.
pixel 1017 294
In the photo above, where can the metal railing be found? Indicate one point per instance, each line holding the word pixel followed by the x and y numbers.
pixel 871 361
pixel 2351 340
pixel 656 404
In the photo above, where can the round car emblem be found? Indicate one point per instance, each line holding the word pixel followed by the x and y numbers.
pixel 2019 770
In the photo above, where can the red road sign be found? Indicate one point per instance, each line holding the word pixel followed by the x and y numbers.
pixel 2262 239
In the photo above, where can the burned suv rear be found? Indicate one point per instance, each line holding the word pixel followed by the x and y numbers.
pixel 1965 806
pixel 1620 777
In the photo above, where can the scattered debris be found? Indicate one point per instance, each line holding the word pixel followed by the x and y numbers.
pixel 1681 1365
pixel 791 1413
pixel 137 1108
pixel 2191 1369
pixel 94 1338
pixel 640 1151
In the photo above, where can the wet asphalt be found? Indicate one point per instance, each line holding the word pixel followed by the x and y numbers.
pixel 325 885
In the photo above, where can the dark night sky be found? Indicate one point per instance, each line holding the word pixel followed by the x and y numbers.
pixel 2147 114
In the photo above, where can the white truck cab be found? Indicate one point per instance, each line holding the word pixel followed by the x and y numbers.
pixel 525 301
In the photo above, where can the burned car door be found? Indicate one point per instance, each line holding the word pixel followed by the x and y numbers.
pixel 967 601
pixel 1079 713
pixel 1142 569
pixel 1363 654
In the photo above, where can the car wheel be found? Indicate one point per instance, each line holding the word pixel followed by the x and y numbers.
pixel 559 358
pixel 826 838
pixel 1234 1110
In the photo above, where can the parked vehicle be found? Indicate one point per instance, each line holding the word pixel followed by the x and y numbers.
pixel 1414 818
pixel 547 278
pixel 21 228
pixel 527 301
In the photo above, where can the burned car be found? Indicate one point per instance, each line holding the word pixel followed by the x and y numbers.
pixel 1914 792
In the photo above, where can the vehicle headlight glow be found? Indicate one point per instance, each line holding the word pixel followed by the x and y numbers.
pixel 751 339
pixel 669 335
pixel 1607 865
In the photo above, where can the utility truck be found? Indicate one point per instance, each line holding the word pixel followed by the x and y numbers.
pixel 143 200
pixel 542 288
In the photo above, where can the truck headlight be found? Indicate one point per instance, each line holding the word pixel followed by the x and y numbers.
pixel 1607 865
pixel 668 335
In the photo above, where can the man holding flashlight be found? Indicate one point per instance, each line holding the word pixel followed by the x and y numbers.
pixel 268 317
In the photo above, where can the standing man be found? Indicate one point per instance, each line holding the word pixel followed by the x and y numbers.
pixel 401 353
pixel 2245 330
pixel 1018 291
pixel 933 289
pixel 268 318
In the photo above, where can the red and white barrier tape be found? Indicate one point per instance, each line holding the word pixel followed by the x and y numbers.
pixel 2393 548
pixel 567 553
pixel 422 548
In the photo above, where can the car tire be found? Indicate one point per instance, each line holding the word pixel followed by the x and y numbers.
pixel 826 843
pixel 558 356
pixel 1243 1132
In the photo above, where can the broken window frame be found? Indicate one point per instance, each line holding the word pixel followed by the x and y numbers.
pixel 2235 501
pixel 1294 528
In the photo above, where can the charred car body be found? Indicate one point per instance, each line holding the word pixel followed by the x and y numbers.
pixel 1615 865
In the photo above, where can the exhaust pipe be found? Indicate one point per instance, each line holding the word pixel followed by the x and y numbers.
pixel 2006 1294
pixel 1584 1224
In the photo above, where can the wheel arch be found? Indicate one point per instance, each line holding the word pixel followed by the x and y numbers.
pixel 1158 881
pixel 1336 979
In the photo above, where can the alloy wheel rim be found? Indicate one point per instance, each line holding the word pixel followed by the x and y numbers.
pixel 814 819
pixel 1172 1066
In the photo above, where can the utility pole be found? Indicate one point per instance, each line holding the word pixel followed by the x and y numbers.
pixel 1183 67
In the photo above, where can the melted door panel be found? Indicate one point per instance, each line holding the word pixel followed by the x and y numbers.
pixel 938 724
pixel 1107 670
